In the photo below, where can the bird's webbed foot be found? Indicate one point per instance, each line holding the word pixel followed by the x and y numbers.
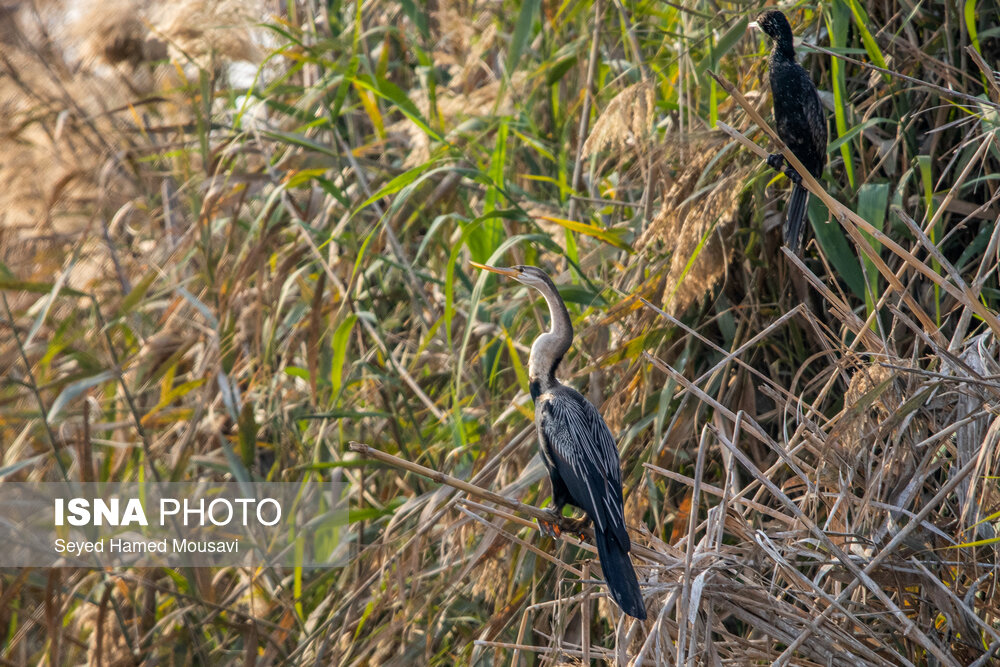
pixel 554 528
pixel 551 528
pixel 776 161
pixel 576 527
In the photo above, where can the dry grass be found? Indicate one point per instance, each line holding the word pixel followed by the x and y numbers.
pixel 192 265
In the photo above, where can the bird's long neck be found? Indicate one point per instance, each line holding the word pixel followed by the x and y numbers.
pixel 548 349
pixel 784 45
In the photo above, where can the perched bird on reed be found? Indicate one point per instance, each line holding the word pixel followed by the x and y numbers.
pixel 798 116
pixel 577 446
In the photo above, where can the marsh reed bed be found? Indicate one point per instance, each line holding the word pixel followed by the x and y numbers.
pixel 235 239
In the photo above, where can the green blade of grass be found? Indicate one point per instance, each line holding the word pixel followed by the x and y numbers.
pixel 522 30
pixel 831 239
pixel 861 23
pixel 873 200
pixel 837 23
pixel 393 93
pixel 927 181
pixel 341 337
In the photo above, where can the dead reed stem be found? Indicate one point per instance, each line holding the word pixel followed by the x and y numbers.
pixel 566 525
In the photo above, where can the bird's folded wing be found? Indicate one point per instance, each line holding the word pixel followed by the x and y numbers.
pixel 586 459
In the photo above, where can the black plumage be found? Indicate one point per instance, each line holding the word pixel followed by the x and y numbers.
pixel 577 447
pixel 799 118
pixel 582 459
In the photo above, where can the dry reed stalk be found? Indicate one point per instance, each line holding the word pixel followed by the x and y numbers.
pixel 566 525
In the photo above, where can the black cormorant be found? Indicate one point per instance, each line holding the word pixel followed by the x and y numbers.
pixel 798 116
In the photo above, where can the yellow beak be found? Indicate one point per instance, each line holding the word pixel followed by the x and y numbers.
pixel 510 273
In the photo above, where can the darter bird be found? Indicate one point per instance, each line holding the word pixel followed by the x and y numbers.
pixel 798 116
pixel 577 446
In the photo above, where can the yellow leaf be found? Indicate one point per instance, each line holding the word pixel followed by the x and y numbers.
pixel 609 236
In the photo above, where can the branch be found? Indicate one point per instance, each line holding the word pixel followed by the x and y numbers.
pixel 568 526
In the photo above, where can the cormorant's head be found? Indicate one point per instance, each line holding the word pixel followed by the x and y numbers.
pixel 526 275
pixel 775 25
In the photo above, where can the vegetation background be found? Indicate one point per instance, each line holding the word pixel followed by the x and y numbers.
pixel 235 237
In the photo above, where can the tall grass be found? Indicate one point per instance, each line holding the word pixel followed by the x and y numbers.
pixel 226 271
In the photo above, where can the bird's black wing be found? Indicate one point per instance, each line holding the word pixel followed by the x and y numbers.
pixel 816 119
pixel 798 114
pixel 584 455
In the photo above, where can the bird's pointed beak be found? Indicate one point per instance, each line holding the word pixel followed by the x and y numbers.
pixel 753 25
pixel 511 273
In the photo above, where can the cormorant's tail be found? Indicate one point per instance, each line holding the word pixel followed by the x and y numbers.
pixel 620 575
pixel 796 217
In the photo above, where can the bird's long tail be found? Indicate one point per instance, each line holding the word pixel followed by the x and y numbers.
pixel 796 217
pixel 620 575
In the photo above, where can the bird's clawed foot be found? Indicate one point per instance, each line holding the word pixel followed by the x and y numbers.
pixel 776 161
pixel 576 527
pixel 551 528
